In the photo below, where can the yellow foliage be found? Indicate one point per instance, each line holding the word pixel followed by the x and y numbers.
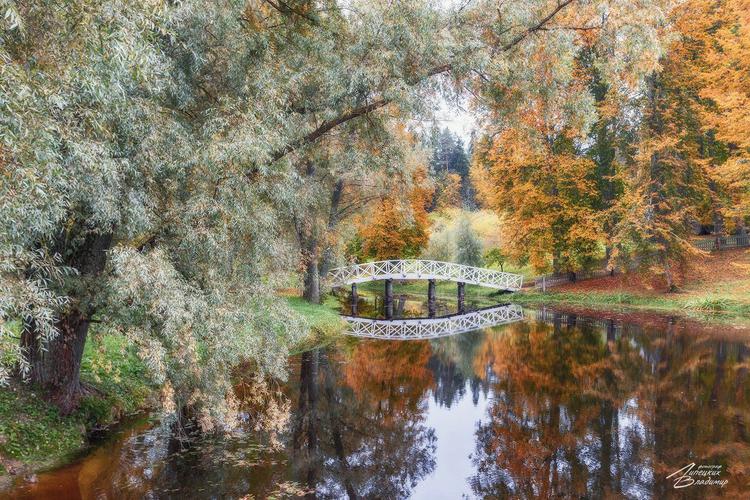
pixel 449 192
pixel 713 56
pixel 399 228
pixel 544 198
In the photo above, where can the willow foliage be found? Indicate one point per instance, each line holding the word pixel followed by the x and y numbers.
pixel 110 133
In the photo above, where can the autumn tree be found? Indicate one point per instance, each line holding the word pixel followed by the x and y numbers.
pixel 489 52
pixel 398 228
pixel 447 192
pixel 448 160
pixel 533 164
pixel 670 178
pixel 545 192
pixel 663 186
pixel 713 57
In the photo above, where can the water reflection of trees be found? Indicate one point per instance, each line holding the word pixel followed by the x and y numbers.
pixel 583 411
pixel 359 428
pixel 452 364
pixel 575 410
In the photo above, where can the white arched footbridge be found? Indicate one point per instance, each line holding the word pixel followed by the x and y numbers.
pixel 431 328
pixel 424 270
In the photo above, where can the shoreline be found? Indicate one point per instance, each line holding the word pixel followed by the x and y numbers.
pixel 69 438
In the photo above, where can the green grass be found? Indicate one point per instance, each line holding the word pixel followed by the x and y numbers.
pixel 526 271
pixel 627 301
pixel 33 432
pixel 112 366
pixel 324 321
pixel 35 436
pixel 717 304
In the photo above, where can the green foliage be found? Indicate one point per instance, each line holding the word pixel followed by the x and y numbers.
pixel 716 304
pixel 449 156
pixel 122 381
pixel 495 257
pixel 468 246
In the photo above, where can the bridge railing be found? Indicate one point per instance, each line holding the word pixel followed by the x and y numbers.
pixel 424 328
pixel 424 269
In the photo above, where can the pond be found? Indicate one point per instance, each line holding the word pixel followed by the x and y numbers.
pixel 554 404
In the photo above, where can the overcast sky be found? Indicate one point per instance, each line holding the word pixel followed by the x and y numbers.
pixel 459 120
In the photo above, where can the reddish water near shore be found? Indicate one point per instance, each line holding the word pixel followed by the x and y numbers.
pixel 560 405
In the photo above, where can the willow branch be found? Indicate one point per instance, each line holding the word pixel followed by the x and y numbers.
pixel 366 109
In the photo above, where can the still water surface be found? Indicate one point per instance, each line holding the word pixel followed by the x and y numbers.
pixel 555 405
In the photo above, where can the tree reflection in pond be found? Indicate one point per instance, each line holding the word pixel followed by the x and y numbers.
pixel 359 430
pixel 537 409
pixel 582 412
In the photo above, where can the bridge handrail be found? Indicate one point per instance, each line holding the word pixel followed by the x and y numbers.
pixel 424 269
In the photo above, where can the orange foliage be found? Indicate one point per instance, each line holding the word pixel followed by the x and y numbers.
pixel 399 228
pixel 391 375
pixel 449 192
pixel 714 55
pixel 545 196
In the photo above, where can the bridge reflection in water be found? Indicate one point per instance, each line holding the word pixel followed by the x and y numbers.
pixel 430 328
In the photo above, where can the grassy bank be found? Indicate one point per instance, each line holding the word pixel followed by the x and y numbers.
pixel 34 436
pixel 709 303
pixel 325 323
pixel 717 284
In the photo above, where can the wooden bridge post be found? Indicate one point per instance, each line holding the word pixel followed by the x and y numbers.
pixel 355 299
pixel 461 297
pixel 431 302
pixel 389 299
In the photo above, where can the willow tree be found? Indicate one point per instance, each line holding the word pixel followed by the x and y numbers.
pixel 129 143
pixel 355 73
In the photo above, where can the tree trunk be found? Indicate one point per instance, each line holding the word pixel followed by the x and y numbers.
pixel 56 364
pixel 327 260
pixel 556 264
pixel 718 222
pixel 741 228
pixel 311 288
pixel 58 368
pixel 311 261
pixel 668 275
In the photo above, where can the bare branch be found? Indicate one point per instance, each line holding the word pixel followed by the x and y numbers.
pixel 538 26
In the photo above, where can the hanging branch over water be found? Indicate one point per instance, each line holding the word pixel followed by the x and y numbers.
pixel 366 109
